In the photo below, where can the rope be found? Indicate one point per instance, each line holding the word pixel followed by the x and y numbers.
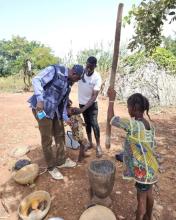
pixel 45 170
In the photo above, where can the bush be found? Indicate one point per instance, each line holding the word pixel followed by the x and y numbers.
pixel 165 58
pixel 162 57
pixel 134 61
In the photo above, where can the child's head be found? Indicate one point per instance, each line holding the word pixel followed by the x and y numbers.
pixel 137 105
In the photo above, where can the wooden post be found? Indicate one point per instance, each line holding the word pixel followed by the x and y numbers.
pixel 114 67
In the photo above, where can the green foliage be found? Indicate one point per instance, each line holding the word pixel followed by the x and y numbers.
pixel 43 57
pixel 104 58
pixel 14 52
pixel 148 19
pixel 165 58
pixel 12 55
pixel 170 44
pixel 134 61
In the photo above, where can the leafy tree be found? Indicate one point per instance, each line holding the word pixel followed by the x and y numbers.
pixel 14 52
pixel 43 57
pixel 148 20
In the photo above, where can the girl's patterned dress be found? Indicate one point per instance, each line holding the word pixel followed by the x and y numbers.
pixel 139 159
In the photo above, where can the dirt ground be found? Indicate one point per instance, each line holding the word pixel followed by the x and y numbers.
pixel 70 196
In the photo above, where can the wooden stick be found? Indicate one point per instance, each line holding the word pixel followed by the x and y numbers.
pixel 114 66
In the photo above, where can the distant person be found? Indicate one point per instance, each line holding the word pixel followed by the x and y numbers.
pixel 28 65
pixel 88 89
pixel 27 73
pixel 139 161
pixel 51 90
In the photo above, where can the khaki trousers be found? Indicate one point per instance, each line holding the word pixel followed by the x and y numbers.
pixel 50 128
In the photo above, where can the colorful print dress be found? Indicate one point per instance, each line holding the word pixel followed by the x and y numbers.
pixel 139 159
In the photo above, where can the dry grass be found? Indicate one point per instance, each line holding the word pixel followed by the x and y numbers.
pixel 13 83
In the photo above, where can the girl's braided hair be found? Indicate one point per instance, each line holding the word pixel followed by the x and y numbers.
pixel 140 102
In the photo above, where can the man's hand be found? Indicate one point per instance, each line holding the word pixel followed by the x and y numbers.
pixel 111 94
pixel 77 111
pixel 39 106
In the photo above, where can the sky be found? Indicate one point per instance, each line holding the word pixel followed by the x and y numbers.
pixel 64 24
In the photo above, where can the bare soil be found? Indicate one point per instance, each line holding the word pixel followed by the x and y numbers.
pixel 70 196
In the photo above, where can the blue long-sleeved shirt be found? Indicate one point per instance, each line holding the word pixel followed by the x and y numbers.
pixel 41 80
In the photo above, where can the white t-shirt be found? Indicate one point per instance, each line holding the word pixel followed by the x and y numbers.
pixel 85 89
pixel 29 65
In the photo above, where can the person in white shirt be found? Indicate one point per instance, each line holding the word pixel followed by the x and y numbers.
pixel 29 65
pixel 88 89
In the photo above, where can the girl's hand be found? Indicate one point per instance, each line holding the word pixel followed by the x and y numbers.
pixel 111 94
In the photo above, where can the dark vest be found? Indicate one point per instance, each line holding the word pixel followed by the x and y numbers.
pixel 55 93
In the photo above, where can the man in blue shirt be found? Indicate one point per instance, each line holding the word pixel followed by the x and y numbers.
pixel 51 90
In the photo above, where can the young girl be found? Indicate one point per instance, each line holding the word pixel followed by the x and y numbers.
pixel 139 161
